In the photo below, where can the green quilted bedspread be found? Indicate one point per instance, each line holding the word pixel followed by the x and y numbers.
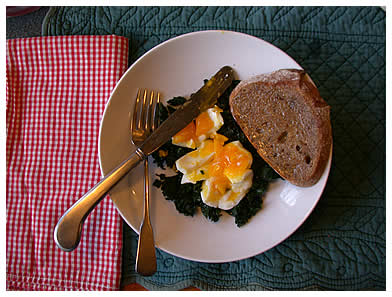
pixel 341 246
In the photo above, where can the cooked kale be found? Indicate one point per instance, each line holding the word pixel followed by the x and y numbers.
pixel 186 197
pixel 168 154
pixel 252 202
pixel 176 101
pixel 211 213
pixel 163 112
pixel 247 208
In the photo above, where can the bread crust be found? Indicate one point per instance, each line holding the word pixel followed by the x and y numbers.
pixel 286 120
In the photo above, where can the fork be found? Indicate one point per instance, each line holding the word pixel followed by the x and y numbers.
pixel 68 230
pixel 144 122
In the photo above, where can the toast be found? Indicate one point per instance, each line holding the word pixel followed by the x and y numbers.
pixel 286 120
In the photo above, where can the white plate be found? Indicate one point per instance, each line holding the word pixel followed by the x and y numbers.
pixel 178 67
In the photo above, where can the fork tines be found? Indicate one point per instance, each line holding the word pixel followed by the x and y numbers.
pixel 145 119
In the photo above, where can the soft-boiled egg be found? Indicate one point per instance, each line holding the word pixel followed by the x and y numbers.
pixel 193 163
pixel 224 169
pixel 204 126
pixel 212 194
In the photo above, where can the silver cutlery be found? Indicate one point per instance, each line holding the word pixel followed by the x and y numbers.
pixel 144 122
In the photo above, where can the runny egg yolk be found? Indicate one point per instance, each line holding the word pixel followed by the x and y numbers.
pixel 228 166
pixel 236 161
pixel 188 134
pixel 225 169
pixel 206 124
pixel 203 124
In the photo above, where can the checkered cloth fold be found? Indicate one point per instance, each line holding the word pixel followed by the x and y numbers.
pixel 57 88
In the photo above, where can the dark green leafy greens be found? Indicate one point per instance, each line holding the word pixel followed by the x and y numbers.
pixel 186 197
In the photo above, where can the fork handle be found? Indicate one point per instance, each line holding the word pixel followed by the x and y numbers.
pixel 146 261
pixel 68 230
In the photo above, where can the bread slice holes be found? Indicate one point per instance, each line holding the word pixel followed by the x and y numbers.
pixel 282 137
pixel 298 148
pixel 307 159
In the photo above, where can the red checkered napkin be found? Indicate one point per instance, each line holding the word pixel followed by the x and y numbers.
pixel 56 92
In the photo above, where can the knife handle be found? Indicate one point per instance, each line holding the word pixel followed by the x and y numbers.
pixel 68 230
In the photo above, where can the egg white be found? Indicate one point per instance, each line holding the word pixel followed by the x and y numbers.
pixel 194 167
pixel 192 163
pixel 232 197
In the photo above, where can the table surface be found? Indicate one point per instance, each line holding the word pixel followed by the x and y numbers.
pixel 29 25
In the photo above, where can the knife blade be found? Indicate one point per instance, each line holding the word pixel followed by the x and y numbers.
pixel 67 232
pixel 199 102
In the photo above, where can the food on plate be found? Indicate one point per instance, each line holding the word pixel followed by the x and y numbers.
pixel 223 168
pixel 210 165
pixel 283 115
pixel 205 125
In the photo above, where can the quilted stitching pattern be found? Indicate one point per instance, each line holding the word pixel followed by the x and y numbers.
pixel 342 244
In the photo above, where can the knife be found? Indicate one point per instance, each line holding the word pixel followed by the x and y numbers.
pixel 68 230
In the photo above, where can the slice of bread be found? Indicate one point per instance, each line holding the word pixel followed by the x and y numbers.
pixel 287 121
